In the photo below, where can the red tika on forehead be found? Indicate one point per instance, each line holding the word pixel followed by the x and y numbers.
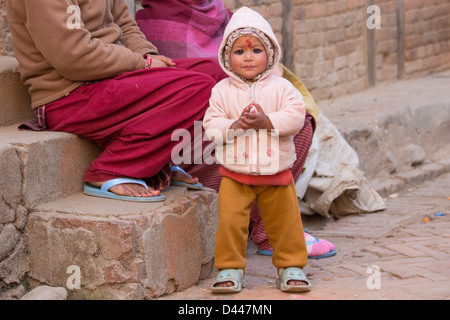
pixel 249 43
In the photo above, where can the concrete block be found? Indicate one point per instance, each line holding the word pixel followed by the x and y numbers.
pixel 15 103
pixel 8 238
pixel 14 268
pixel 52 164
pixel 124 250
pixel 414 154
pixel 10 183
pixel 422 173
pixel 46 293
pixel 383 122
pixel 386 187
pixel 413 177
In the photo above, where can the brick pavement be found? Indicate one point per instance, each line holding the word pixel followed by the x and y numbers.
pixel 411 255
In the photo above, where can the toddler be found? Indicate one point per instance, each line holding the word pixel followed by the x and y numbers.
pixel 253 116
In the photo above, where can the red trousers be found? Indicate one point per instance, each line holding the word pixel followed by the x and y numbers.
pixel 132 117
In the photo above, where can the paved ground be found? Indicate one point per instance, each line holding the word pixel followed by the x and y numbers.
pixel 400 253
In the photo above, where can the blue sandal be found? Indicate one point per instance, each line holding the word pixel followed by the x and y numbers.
pixel 104 192
pixel 193 186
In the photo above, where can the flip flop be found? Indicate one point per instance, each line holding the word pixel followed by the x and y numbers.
pixel 293 273
pixel 317 248
pixel 104 192
pixel 233 275
pixel 193 186
pixel 327 255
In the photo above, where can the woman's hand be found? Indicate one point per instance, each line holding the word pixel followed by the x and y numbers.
pixel 161 62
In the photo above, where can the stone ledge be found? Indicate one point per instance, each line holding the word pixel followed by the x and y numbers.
pixel 49 165
pixel 384 124
pixel 15 103
pixel 416 175
pixel 124 250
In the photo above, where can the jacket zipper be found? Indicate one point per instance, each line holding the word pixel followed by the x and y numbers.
pixel 252 90
pixel 254 163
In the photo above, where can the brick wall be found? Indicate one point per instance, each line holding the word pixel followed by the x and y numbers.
pixel 426 37
pixel 328 45
pixel 324 42
pixel 5 36
pixel 334 53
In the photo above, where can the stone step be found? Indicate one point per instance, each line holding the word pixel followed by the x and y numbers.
pixel 123 250
pixel 42 166
pixel 395 127
pixel 15 103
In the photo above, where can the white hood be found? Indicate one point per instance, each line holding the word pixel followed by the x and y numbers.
pixel 248 18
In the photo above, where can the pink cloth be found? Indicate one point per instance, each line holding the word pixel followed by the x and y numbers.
pixel 183 28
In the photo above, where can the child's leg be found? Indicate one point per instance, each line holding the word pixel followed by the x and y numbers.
pixel 280 214
pixel 234 205
pixel 302 143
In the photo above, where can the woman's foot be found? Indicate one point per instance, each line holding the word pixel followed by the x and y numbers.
pixel 129 189
pixel 316 248
pixel 182 176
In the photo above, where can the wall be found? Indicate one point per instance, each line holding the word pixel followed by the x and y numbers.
pixel 426 36
pixel 5 36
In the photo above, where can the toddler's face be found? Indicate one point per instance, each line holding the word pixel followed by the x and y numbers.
pixel 248 57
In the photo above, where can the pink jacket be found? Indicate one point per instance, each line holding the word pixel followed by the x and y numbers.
pixel 254 152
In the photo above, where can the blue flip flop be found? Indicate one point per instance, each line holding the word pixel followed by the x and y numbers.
pixel 104 192
pixel 327 255
pixel 193 186
pixel 332 252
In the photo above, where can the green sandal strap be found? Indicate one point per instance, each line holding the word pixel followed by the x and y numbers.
pixel 293 273
pixel 233 275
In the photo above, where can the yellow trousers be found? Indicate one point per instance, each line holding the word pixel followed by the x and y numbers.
pixel 281 217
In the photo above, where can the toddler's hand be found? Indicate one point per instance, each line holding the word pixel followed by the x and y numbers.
pixel 253 117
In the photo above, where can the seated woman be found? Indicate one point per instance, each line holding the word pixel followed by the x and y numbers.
pixel 192 29
pixel 97 76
